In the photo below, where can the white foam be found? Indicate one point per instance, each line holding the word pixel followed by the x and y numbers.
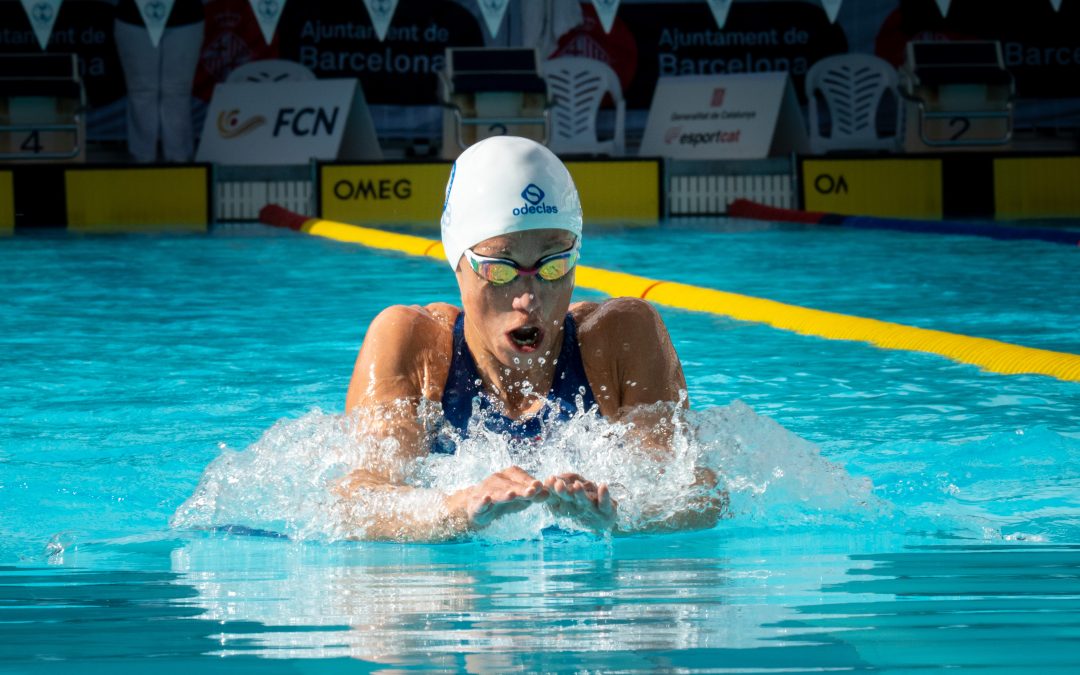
pixel 285 482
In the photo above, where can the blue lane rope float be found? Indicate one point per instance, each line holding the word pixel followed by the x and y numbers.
pixel 743 208
pixel 991 355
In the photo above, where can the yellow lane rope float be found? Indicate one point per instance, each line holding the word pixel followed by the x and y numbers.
pixel 991 355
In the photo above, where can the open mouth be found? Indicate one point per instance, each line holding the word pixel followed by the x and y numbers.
pixel 526 338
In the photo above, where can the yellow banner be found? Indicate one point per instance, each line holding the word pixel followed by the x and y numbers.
pixel 7 203
pixel 618 191
pixel 888 188
pixel 391 194
pixel 383 194
pixel 1036 187
pixel 137 200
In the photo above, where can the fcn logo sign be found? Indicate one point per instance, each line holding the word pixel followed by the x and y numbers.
pixel 718 96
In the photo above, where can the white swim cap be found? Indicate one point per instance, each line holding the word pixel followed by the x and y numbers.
pixel 506 184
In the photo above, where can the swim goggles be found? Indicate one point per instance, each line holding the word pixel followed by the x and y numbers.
pixel 501 271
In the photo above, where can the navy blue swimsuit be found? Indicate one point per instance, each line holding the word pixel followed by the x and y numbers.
pixel 463 389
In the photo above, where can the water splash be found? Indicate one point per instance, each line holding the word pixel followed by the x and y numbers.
pixel 287 482
pixel 57 545
pixel 1008 486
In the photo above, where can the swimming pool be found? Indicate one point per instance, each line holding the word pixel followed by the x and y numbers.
pixel 893 510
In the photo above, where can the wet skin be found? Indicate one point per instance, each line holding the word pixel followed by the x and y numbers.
pixel 626 352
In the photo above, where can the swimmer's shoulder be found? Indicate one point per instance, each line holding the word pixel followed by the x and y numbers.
pixel 406 351
pixel 442 312
pixel 415 324
pixel 616 338
pixel 613 318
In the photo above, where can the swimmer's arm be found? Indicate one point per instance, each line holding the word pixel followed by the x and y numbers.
pixel 400 363
pixel 647 372
pixel 378 509
pixel 376 503
pixel 383 398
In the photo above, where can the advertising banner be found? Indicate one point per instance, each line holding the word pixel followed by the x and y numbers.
pixel 626 191
pixel 7 203
pixel 1036 187
pixel 682 38
pixel 724 117
pixel 1038 44
pixel 282 123
pixel 888 188
pixel 337 39
pixel 233 35
pixel 367 194
pixel 647 40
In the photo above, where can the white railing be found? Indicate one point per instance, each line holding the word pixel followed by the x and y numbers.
pixel 710 195
pixel 241 200
pixel 687 195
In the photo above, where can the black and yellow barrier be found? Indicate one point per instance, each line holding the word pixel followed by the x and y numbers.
pixel 889 188
pixel 1036 187
pixel 948 186
pixel 396 193
pixel 7 203
pixel 108 198
pixel 991 355
pixel 138 200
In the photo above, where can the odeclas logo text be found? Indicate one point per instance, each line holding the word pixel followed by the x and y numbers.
pixel 533 196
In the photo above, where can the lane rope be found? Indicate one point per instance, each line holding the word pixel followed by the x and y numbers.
pixel 744 208
pixel 991 355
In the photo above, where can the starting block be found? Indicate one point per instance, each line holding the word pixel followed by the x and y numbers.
pixel 42 100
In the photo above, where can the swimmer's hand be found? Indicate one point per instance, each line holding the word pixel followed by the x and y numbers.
pixel 588 503
pixel 507 491
pixel 372 509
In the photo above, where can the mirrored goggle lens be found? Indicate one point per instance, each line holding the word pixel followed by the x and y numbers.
pixel 557 268
pixel 497 273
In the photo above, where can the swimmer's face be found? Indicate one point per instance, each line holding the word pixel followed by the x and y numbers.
pixel 523 319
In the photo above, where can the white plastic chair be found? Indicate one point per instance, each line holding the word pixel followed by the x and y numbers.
pixel 852 86
pixel 577 86
pixel 270 70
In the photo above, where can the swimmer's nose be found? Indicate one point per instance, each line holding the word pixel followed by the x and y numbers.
pixel 526 300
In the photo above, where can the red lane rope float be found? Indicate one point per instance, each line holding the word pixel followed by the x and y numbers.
pixel 744 208
pixel 278 216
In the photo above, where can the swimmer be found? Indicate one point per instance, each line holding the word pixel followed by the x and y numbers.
pixel 511 229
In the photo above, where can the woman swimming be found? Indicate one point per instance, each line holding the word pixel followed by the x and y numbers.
pixel 516 357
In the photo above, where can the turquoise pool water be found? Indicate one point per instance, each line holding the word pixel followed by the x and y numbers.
pixel 892 511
